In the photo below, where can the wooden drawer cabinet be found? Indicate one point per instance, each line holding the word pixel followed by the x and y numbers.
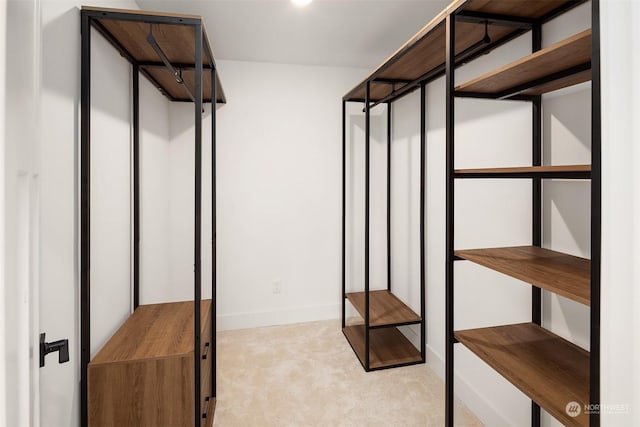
pixel 143 376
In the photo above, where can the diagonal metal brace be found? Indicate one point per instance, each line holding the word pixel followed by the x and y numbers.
pixel 177 74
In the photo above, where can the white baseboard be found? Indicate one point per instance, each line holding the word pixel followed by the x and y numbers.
pixel 226 322
pixel 469 395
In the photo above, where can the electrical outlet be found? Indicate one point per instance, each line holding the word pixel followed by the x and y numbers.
pixel 277 287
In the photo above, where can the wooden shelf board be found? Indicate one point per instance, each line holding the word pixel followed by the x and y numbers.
pixel 520 8
pixel 562 274
pixel 560 56
pixel 548 369
pixel 171 336
pixel 388 347
pixel 385 309
pixel 572 80
pixel 527 171
pixel 425 51
pixel 176 40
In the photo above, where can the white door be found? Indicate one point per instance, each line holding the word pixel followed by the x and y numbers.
pixel 38 169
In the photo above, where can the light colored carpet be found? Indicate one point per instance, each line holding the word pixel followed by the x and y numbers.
pixel 307 375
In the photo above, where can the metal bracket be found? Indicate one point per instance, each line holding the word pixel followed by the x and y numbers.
pixel 176 73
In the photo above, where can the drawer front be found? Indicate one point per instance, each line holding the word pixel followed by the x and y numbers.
pixel 207 404
pixel 205 335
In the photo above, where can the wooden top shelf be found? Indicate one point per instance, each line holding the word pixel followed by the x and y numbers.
pixel 423 56
pixel 571 171
pixel 385 309
pixel 127 31
pixel 560 65
pixel 162 330
pixel 550 370
pixel 387 347
pixel 562 274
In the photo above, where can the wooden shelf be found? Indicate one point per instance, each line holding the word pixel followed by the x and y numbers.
pixel 550 370
pixel 566 172
pixel 385 309
pixel 533 70
pixel 127 31
pixel 424 54
pixel 560 273
pixel 162 330
pixel 388 347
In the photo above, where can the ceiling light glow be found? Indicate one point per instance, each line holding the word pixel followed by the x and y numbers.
pixel 301 3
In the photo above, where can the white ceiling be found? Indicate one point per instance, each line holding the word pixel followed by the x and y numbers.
pixel 351 33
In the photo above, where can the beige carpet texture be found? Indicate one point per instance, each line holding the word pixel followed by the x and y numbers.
pixel 307 375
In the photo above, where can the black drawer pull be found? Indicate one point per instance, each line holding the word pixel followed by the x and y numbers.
pixel 206 351
pixel 207 403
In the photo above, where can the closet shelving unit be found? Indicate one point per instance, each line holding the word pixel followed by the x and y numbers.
pixel 377 342
pixel 557 375
pixel 159 367
pixel 547 368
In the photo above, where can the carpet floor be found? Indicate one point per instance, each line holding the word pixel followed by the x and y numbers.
pixel 307 375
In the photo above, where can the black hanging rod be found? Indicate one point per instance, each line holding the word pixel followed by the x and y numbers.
pixel 176 73
pixel 178 65
pixel 494 19
pixel 484 41
pixel 390 81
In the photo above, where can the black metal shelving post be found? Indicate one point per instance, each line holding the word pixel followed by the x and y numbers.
pixel 197 250
pixel 449 290
pixel 423 183
pixel 596 209
pixel 85 211
pixel 536 198
pixel 367 207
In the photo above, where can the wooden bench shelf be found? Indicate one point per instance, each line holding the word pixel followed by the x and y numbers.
pixel 387 347
pixel 144 374
pixel 544 71
pixel 560 273
pixel 559 172
pixel 550 370
pixel 385 309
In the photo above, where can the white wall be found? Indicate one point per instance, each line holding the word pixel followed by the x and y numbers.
pixel 279 175
pixel 155 179
pixel 355 199
pixel 3 348
pixel 620 325
pixel 110 190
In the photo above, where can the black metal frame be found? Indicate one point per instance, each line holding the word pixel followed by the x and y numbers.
pixel 536 179
pixel 368 105
pixel 89 19
pixel 520 26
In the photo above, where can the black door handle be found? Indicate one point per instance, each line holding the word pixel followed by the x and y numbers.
pixel 61 346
